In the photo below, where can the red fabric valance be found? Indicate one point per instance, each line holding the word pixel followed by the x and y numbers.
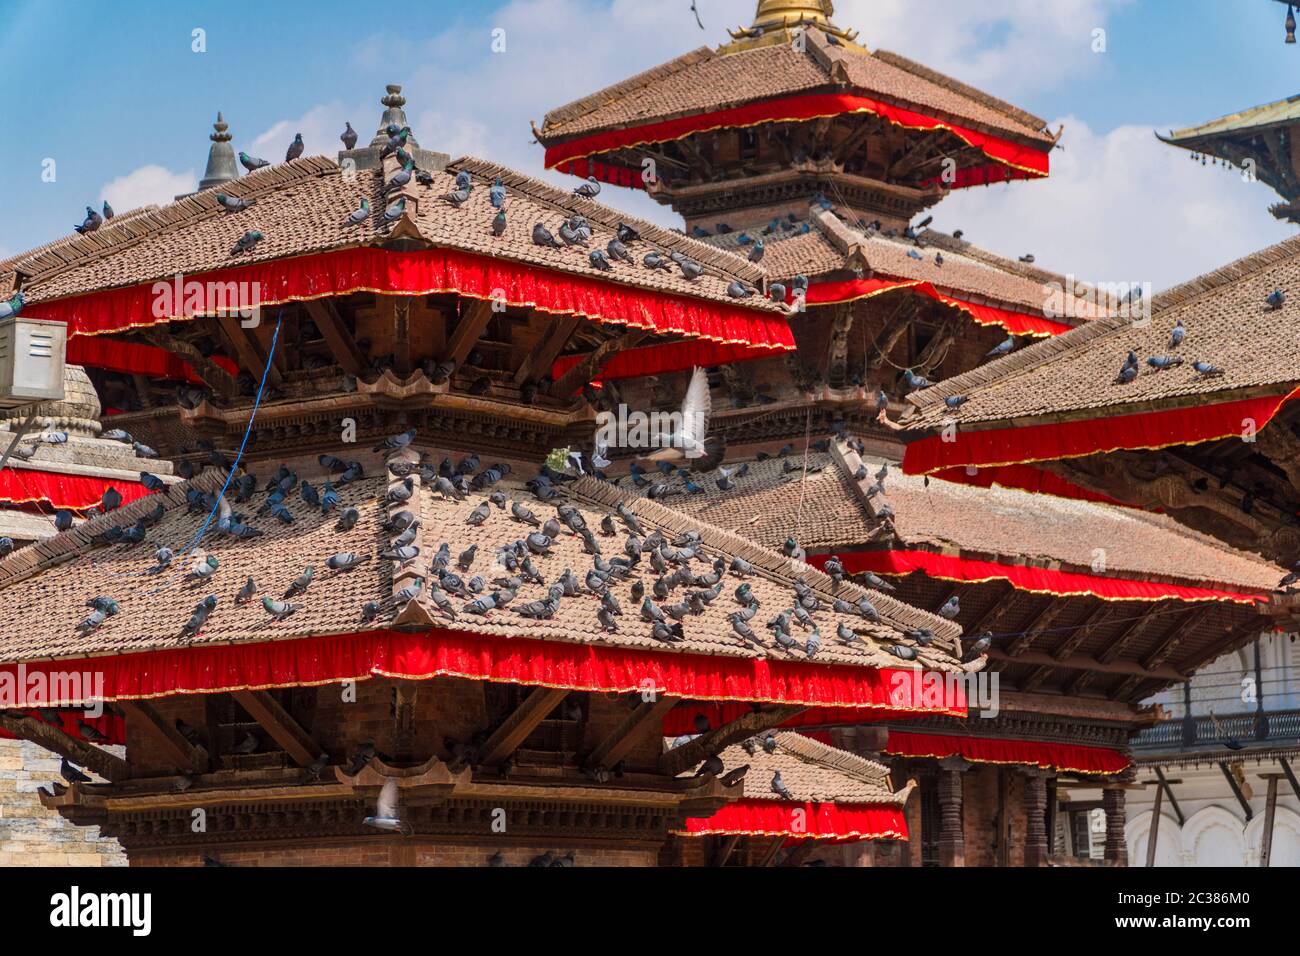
pixel 1067 758
pixel 851 290
pixel 111 726
pixel 836 822
pixel 1037 580
pixel 1017 161
pixel 660 359
pixel 426 272
pixel 20 486
pixel 136 359
pixel 1026 478
pixel 1051 442
pixel 611 173
pixel 445 653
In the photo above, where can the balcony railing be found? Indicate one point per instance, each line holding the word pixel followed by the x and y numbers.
pixel 1269 728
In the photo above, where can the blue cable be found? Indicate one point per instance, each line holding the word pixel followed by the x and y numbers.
pixel 257 402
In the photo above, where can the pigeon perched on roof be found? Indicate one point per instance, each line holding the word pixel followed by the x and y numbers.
pixel 13 306
pixel 234 203
pixel 544 237
pixel 348 136
pixel 779 787
pixel 251 163
pixel 295 149
pixel 396 210
pixel 92 222
pixel 1177 335
pixel 247 241
pixel 1276 299
pixel 1206 369
pixel 590 189
pixel 1002 348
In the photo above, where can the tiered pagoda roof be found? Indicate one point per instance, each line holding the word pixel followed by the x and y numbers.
pixel 328 624
pixel 1025 565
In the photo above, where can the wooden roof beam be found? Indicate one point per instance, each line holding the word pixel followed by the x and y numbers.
pixel 183 755
pixel 213 375
pixel 473 321
pixel 537 362
pixel 284 730
pixel 107 765
pixel 514 730
pixel 1054 608
pixel 1083 662
pixel 590 367
pixel 648 716
pixel 341 343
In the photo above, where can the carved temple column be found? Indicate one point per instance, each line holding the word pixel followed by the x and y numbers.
pixel 1112 802
pixel 1036 846
pixel 952 834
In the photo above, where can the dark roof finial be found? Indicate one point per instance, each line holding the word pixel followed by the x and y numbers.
pixel 221 157
pixel 367 157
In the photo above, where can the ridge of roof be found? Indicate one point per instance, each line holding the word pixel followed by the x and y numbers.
pixel 1287 108
pixel 957 86
pixel 810 749
pixel 578 107
pixel 611 218
pixel 75 250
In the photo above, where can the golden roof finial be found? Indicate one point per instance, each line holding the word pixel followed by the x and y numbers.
pixel 777 19
pixel 777 13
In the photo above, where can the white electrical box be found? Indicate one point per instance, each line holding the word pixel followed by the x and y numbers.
pixel 32 353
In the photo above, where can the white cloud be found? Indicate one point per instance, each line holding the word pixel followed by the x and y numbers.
pixel 148 185
pixel 1007 47
pixel 1120 207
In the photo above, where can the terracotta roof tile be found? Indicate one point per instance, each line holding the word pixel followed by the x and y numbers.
pixel 827 513
pixel 813 772
pixel 59 575
pixel 1228 325
pixel 706 81
pixel 301 207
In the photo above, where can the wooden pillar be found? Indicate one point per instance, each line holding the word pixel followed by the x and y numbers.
pixel 952 834
pixel 1270 813
pixel 1154 833
pixel 1035 818
pixel 1112 801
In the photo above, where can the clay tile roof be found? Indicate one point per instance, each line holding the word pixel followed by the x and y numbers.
pixel 1228 325
pixel 1278 113
pixel 301 207
pixel 706 80
pixel 833 246
pixel 829 512
pixel 813 771
pixel 60 574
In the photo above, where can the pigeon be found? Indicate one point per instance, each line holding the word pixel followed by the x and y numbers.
pixel 599 261
pixel 1276 299
pixel 108 211
pixel 499 223
pixel 654 260
pixel 497 194
pixel 951 608
pixel 386 815
pixel 779 787
pixel 199 617
pixel 902 651
pixel 246 592
pixel 349 137
pixel 457 197
pixel 396 210
pixel 360 214
pixel 62 520
pixel 279 610
pixel 981 644
pixel 13 306
pixel 247 241
pixel 203 568
pixel 346 561
pixel 300 584
pixel 1206 369
pixel 588 190
pixel 571 234
pixel 1177 335
pixel 738 290
pixel 348 519
pixel 877 582
pixel 92 222
pixel 396 442
pixel 1002 348
pixel 915 382
pixel 251 163
pixel 1162 362
pixel 544 237
pixel 234 203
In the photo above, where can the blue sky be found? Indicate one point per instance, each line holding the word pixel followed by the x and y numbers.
pixel 114 93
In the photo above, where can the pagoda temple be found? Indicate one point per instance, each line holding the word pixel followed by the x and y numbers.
pixel 371 625
pixel 798 147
